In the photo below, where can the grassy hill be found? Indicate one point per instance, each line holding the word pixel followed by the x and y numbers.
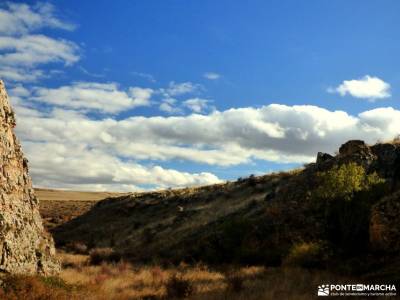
pixel 339 213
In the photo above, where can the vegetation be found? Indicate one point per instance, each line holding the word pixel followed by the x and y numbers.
pixel 308 255
pixel 291 227
pixel 178 287
pixel 123 281
pixel 346 194
pixel 343 182
pixel 37 288
pixel 99 255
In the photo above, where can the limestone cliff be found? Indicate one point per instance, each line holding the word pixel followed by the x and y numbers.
pixel 25 247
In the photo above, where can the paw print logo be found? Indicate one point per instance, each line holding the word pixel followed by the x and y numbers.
pixel 323 290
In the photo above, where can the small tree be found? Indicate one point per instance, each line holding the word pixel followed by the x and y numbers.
pixel 347 193
pixel 346 180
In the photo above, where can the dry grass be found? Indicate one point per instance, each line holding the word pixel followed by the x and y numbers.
pixel 63 195
pixel 125 281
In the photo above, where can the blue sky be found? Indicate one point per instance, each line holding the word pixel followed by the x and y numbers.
pixel 153 94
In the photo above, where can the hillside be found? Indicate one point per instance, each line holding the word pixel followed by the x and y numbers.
pixel 262 219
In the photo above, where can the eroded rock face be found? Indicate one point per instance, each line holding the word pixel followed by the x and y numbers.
pixel 25 248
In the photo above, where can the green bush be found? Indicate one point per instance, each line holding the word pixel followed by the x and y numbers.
pixel 307 255
pixel 345 196
pixel 345 181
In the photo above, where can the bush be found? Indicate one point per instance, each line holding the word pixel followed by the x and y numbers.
pixel 346 180
pixel 347 193
pixel 99 255
pixel 307 255
pixel 178 287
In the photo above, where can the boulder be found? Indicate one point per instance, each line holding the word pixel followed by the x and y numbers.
pixel 388 160
pixel 25 247
pixel 353 147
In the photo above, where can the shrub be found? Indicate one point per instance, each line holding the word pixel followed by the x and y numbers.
pixel 178 287
pixel 307 255
pixel 344 181
pixel 347 193
pixel 100 255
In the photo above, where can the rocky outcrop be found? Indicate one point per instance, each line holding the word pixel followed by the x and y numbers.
pixel 323 157
pixel 25 248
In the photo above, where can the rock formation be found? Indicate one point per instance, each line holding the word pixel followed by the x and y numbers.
pixel 25 248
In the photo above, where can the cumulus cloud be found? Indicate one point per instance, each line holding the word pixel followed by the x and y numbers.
pixel 367 87
pixel 108 152
pixel 197 105
pixel 211 75
pixel 169 105
pixel 77 166
pixel 32 50
pixel 21 51
pixel 102 97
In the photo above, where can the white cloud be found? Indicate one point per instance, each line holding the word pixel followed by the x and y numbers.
pixel 17 74
pixel 275 132
pixel 79 167
pixel 367 87
pixel 211 76
pixel 31 50
pixel 169 105
pixel 108 153
pixel 177 89
pixel 22 52
pixel 18 18
pixel 197 105
pixel 102 97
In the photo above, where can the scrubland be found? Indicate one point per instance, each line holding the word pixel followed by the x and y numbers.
pixel 80 279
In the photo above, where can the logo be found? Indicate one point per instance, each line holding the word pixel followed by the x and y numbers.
pixel 371 290
pixel 323 290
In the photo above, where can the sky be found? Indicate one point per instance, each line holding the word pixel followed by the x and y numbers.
pixel 136 95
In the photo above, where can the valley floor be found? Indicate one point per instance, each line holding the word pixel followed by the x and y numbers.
pixel 126 281
pixel 97 275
